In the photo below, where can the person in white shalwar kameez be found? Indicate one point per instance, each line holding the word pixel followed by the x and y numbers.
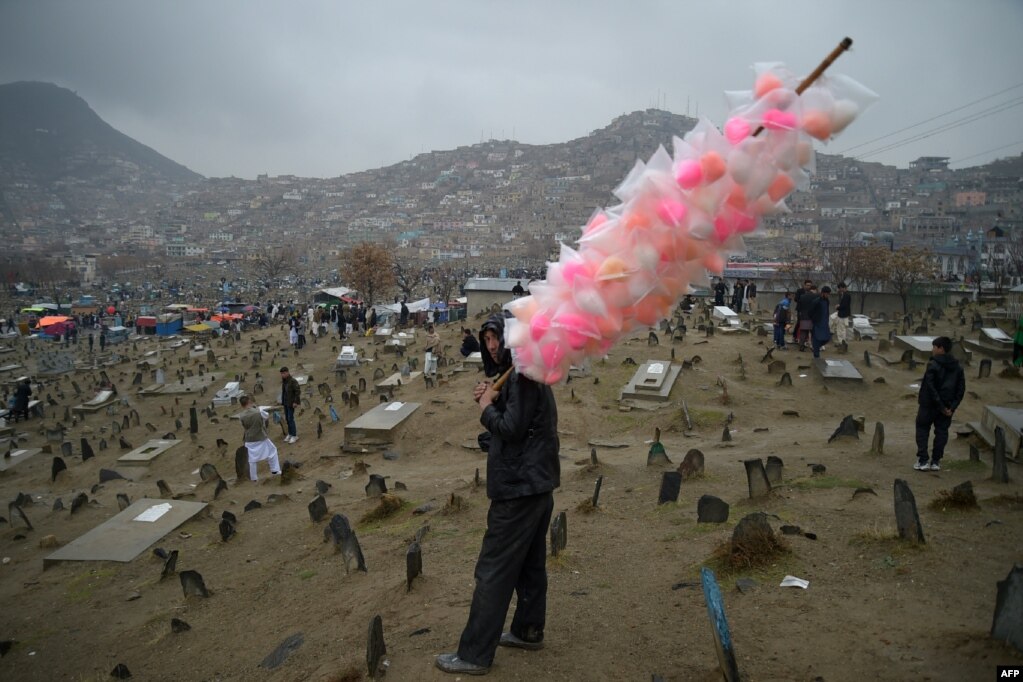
pixel 257 441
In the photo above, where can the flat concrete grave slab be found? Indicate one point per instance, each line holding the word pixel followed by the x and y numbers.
pixel 653 380
pixel 995 336
pixel 101 400
pixel 180 387
pixel 17 457
pixel 6 349
pixel 396 380
pixel 862 329
pixel 473 358
pixel 348 357
pixel 726 315
pixel 233 389
pixel 147 453
pixel 921 345
pixel 839 370
pixel 10 368
pixel 380 422
pixel 1011 421
pixel 125 536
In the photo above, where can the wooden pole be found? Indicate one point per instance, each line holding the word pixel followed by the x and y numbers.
pixel 821 68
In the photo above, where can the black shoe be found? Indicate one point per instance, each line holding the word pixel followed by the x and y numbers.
pixel 451 663
pixel 510 640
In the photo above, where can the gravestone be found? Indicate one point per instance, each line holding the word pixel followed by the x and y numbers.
pixel 726 435
pixel 719 626
pixel 756 478
pixel 596 491
pixel 193 420
pixel 340 532
pixel 169 564
pixel 692 465
pixel 375 647
pixel 985 369
pixel 226 529
pixel 241 463
pixel 774 470
pixel 906 517
pixel 123 502
pixel 317 509
pixel 208 472
pixel 377 486
pixel 277 657
pixel 56 467
pixel 1007 625
pixel 776 367
pixel 710 509
pixel 413 564
pixel 877 447
pixel 192 584
pixel 847 429
pixel 656 455
pixel 65 448
pixel 102 444
pixel 1000 470
pixel 974 453
pixel 559 534
pixel 786 379
pixel 866 358
pixel 87 452
pixel 671 484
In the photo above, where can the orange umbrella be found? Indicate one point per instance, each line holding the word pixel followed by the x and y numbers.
pixel 52 319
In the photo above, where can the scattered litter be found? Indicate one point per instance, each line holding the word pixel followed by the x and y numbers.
pixel 802 376
pixel 793 581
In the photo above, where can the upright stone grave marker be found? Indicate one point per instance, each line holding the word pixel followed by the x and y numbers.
pixel 671 484
pixel 756 478
pixel 906 517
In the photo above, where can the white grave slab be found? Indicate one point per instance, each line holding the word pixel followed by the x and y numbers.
pixel 17 457
pixel 101 400
pixel 653 380
pixel 396 380
pixel 128 534
pixel 862 328
pixel 839 370
pixel 473 358
pixel 995 336
pixel 726 315
pixel 231 390
pixel 380 422
pixel 348 357
pixel 920 345
pixel 147 453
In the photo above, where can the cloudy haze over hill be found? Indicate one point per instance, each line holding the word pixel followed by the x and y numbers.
pixel 325 88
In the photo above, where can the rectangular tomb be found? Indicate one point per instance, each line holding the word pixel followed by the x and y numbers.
pixel 147 453
pixel 837 370
pixel 17 457
pixel 396 380
pixel 128 534
pixel 380 423
pixel 653 380
pixel 920 345
pixel 1011 421
pixel 726 315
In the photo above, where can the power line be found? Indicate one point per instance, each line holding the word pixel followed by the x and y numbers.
pixel 996 149
pixel 933 118
pixel 944 128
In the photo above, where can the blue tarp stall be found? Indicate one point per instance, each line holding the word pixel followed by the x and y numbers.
pixel 440 311
pixel 169 324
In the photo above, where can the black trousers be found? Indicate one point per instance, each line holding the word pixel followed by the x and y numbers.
pixel 925 417
pixel 513 558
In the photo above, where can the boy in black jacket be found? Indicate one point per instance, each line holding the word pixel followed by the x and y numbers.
pixel 941 391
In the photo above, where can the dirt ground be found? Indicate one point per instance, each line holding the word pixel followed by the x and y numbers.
pixel 624 600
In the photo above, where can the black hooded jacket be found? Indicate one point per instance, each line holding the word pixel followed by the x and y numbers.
pixel 944 383
pixel 522 458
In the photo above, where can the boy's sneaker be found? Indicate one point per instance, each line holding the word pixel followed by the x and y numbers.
pixel 934 466
pixel 922 466
pixel 293 439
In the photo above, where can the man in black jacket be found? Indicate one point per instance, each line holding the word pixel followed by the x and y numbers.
pixel 941 391
pixel 469 344
pixel 522 473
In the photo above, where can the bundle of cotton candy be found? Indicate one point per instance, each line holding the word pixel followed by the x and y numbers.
pixel 679 218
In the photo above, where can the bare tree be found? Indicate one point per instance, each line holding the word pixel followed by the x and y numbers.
pixel 907 267
pixel 408 276
pixel 800 266
pixel 272 265
pixel 369 269
pixel 868 270
pixel 838 259
pixel 447 279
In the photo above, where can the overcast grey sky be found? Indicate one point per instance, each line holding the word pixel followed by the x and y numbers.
pixel 323 87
